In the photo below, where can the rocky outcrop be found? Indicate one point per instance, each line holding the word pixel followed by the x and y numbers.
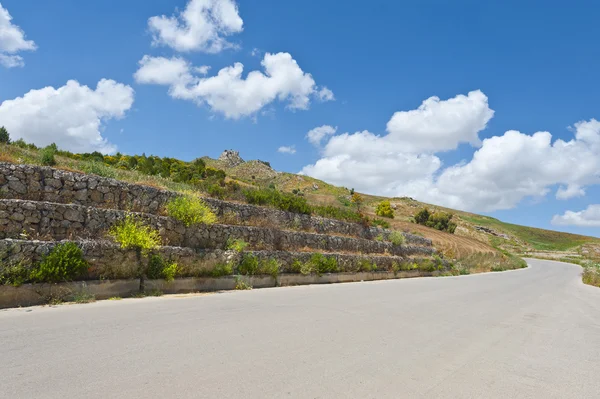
pixel 231 158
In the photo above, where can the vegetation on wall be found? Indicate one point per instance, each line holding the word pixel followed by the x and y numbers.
pixel 190 210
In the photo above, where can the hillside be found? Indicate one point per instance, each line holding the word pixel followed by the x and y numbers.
pixel 475 234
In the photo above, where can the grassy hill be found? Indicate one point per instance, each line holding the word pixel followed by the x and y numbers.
pixel 474 235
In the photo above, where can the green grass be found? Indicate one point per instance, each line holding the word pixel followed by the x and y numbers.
pixel 539 239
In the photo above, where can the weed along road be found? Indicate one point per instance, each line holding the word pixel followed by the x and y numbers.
pixel 531 333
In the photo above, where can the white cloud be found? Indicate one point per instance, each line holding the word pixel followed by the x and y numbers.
pixel 571 191
pixel 441 125
pixel 12 40
pixel 324 94
pixel 503 172
pixel 71 116
pixel 11 61
pixel 316 135
pixel 203 70
pixel 228 92
pixel 589 217
pixel 287 149
pixel 202 26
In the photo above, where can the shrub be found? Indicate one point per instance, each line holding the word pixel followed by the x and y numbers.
pixel 15 274
pixel 170 272
pixel 248 265
pixel 132 233
pixel 324 264
pixel 270 267
pixel 156 265
pixel 380 223
pixel 395 267
pixel 437 220
pixel 64 263
pixel 4 136
pixel 190 210
pixel 396 238
pixel 357 200
pixel 364 265
pixel 47 156
pixel 222 269
pixel 379 238
pixel 384 209
pixel 284 201
pixel 238 245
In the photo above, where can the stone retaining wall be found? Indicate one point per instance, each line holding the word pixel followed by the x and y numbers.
pixel 39 183
pixel 108 261
pixel 53 221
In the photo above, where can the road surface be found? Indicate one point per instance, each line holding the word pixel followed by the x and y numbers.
pixel 532 333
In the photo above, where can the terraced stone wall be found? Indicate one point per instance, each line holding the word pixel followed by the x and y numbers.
pixel 53 221
pixel 39 183
pixel 108 261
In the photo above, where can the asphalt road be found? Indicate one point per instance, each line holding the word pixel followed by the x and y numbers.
pixel 532 333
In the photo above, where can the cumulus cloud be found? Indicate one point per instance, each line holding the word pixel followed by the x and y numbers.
pixel 505 169
pixel 324 94
pixel 287 149
pixel 441 125
pixel 570 191
pixel 12 41
pixel 589 217
pixel 202 26
pixel 228 92
pixel 316 135
pixel 71 116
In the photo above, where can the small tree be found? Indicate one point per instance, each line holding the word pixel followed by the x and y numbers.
pixel 4 136
pixel 134 234
pixel 384 208
pixel 357 200
pixel 422 216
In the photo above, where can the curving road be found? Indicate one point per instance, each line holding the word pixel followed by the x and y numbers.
pixel 532 333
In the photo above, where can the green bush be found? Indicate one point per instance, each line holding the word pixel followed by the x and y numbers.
pixel 156 265
pixel 324 264
pixel 132 233
pixel 364 265
pixel 64 263
pixel 237 245
pixel 222 269
pixel 15 274
pixel 4 136
pixel 190 210
pixel 47 156
pixel 384 209
pixel 269 267
pixel 170 271
pixel 284 201
pixel 249 265
pixel 437 220
pixel 397 238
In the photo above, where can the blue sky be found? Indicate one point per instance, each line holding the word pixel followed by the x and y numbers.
pixel 535 66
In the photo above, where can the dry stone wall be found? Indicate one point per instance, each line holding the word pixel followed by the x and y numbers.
pixel 108 261
pixel 53 221
pixel 39 183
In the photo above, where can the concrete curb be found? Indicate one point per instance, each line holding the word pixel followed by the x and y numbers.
pixel 39 294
